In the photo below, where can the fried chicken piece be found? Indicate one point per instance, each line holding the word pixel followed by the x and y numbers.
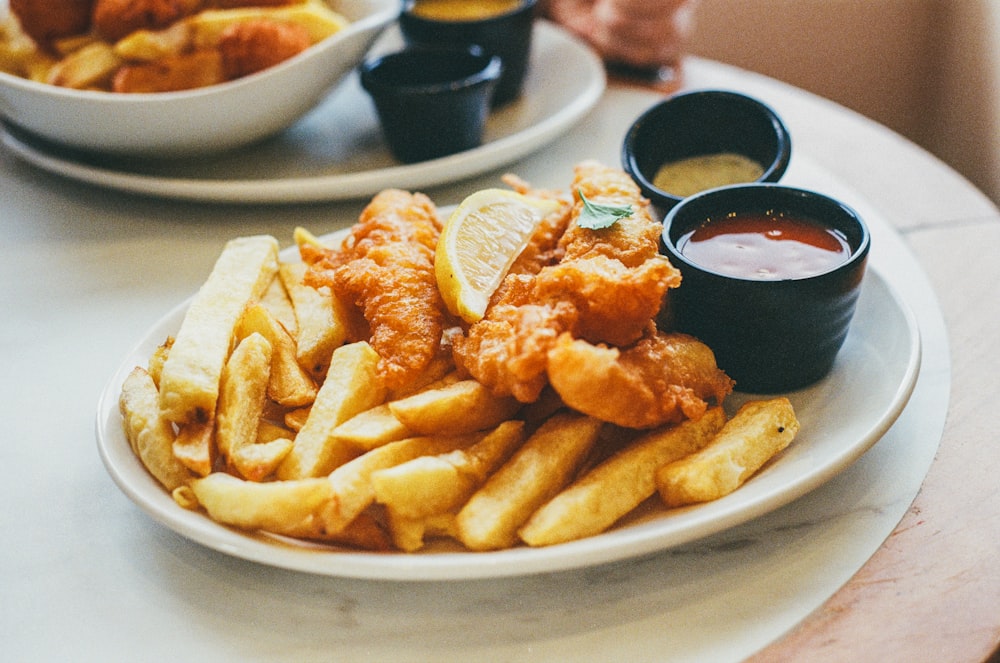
pixel 663 378
pixel 254 45
pixel 386 268
pixel 45 20
pixel 170 73
pixel 114 19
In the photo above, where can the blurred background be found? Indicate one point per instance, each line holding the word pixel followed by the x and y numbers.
pixel 929 69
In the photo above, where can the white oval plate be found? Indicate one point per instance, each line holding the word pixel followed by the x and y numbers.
pixel 842 416
pixel 337 152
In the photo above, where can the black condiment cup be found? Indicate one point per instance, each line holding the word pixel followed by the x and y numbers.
pixel 700 123
pixel 507 35
pixel 770 336
pixel 431 102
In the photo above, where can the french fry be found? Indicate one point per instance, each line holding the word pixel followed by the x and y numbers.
pixel 600 497
pixel 278 304
pixel 351 386
pixel 372 428
pixel 461 407
pixel 242 392
pixel 431 485
pixel 296 419
pixel 195 447
pixel 352 484
pixel 157 359
pixel 289 384
pixel 256 462
pixel 321 319
pixel 149 433
pixel 150 45
pixel 85 68
pixel 189 382
pixel 281 507
pixel 758 431
pixel 533 475
pixel 408 534
pixel 317 17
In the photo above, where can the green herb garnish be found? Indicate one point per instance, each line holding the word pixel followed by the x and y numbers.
pixel 595 216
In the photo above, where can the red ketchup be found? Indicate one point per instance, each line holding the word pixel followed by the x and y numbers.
pixel 765 246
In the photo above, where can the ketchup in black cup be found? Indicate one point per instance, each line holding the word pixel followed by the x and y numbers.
pixel 771 276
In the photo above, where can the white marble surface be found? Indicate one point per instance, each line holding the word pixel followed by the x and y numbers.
pixel 86 576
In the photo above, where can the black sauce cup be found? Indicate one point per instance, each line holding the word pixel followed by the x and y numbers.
pixel 507 35
pixel 770 336
pixel 699 123
pixel 431 102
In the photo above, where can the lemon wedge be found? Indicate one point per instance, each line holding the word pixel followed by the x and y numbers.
pixel 479 243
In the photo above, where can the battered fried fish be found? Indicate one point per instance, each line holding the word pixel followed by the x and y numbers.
pixel 45 20
pixel 663 378
pixel 600 285
pixel 386 268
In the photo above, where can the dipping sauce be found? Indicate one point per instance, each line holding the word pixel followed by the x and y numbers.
pixel 463 10
pixel 687 177
pixel 765 246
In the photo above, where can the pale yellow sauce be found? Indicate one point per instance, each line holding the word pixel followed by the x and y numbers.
pixel 463 10
pixel 687 177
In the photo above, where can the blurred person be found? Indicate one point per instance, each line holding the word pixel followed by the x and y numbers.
pixel 638 37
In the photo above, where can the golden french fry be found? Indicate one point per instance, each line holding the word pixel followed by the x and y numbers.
pixel 149 433
pixel 462 407
pixel 438 373
pixel 320 316
pixel 537 471
pixel 758 431
pixel 408 534
pixel 317 17
pixel 296 419
pixel 279 305
pixel 372 428
pixel 86 67
pixel 281 507
pixel 258 461
pixel 600 497
pixel 195 447
pixel 289 384
pixel 431 485
pixel 189 382
pixel 351 386
pixel 352 484
pixel 150 45
pixel 242 392
pixel 157 359
pixel 268 431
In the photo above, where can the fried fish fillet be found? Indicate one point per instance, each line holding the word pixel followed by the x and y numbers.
pixel 386 268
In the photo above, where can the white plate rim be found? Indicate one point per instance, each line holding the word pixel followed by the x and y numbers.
pixel 624 542
pixel 358 184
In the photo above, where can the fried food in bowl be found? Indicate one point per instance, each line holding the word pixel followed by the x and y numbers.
pixel 257 77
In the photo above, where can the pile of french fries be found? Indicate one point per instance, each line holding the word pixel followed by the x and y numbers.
pixel 87 62
pixel 260 413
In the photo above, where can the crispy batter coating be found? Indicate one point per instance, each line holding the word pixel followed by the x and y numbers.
pixel 662 379
pixel 604 286
pixel 113 19
pixel 251 46
pixel 387 269
pixel 45 20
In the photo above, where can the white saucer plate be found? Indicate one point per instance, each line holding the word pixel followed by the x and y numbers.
pixel 842 416
pixel 337 151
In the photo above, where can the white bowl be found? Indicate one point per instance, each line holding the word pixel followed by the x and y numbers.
pixel 204 120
